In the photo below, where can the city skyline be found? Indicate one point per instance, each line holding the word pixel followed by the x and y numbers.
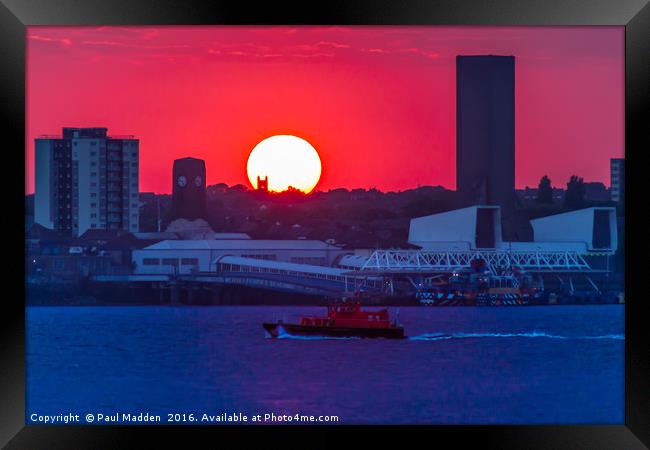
pixel 218 91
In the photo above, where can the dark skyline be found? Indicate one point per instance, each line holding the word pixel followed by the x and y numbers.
pixel 378 103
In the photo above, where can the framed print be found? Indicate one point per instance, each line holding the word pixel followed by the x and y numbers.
pixel 367 216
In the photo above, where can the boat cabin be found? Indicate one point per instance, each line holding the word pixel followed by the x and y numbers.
pixel 349 315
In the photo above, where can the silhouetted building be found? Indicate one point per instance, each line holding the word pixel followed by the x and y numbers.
pixel 188 193
pixel 529 194
pixel 485 131
pixel 617 181
pixel 596 191
pixel 86 180
pixel 263 184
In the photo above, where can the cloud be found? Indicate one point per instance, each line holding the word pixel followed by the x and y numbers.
pixel 300 45
pixel 274 29
pixel 312 55
pixel 140 46
pixel 144 32
pixel 64 41
pixel 333 44
pixel 266 55
pixel 426 53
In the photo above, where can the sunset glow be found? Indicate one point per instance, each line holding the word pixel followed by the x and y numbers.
pixel 286 161
pixel 378 103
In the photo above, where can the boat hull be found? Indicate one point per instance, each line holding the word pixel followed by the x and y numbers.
pixel 276 329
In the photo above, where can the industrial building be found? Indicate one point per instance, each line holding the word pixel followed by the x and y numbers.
pixel 479 228
pixel 569 255
pixel 485 130
pixel 461 229
pixel 559 257
pixel 192 256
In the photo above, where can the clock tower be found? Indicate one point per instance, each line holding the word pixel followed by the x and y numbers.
pixel 188 192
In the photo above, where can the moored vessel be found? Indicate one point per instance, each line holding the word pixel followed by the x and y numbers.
pixel 479 287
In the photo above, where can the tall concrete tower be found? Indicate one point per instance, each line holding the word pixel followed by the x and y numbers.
pixel 188 193
pixel 485 131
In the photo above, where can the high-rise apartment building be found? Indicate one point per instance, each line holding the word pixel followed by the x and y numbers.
pixel 85 179
pixel 617 180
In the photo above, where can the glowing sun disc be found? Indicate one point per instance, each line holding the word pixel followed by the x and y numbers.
pixel 287 161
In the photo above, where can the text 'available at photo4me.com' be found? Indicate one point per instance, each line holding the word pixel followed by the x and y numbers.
pixel 231 418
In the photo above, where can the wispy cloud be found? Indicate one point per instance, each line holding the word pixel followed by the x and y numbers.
pixel 282 42
pixel 289 54
pixel 130 45
pixel 418 51
pixel 333 44
pixel 274 29
pixel 64 41
pixel 145 32
pixel 312 55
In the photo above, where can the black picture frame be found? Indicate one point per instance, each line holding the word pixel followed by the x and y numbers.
pixel 15 15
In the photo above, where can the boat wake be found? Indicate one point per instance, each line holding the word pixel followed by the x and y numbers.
pixel 534 334
pixel 284 335
pixel 315 338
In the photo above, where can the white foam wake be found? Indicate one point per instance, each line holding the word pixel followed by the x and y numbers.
pixel 533 334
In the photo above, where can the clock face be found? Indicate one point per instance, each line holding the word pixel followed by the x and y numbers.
pixel 182 181
pixel 198 180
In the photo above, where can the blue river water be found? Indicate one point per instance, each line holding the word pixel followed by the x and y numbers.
pixel 465 365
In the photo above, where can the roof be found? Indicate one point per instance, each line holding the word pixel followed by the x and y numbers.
pixel 242 244
pixel 306 268
pixel 39 232
pixel 230 236
pixel 189 158
pixel 168 235
pixel 100 234
pixel 353 261
pixel 457 226
pixel 161 235
pixel 573 213
pixel 109 240
pixel 582 225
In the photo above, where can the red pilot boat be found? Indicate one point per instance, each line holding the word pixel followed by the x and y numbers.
pixel 342 320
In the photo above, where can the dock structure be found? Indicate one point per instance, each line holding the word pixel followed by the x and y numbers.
pixel 420 261
pixel 572 249
pixel 257 273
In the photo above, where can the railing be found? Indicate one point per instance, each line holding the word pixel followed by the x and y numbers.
pixel 414 260
pixel 244 269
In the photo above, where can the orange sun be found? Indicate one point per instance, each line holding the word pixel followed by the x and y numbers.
pixel 287 161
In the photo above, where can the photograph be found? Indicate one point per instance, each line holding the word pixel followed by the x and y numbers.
pixel 325 225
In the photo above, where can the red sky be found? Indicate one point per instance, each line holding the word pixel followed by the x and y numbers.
pixel 378 103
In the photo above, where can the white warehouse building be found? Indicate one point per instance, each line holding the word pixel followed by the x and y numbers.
pixel 595 228
pixel 463 229
pixel 589 230
pixel 188 256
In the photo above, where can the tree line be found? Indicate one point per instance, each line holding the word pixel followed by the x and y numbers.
pixel 574 196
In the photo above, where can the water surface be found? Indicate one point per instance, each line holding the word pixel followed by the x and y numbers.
pixel 465 365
